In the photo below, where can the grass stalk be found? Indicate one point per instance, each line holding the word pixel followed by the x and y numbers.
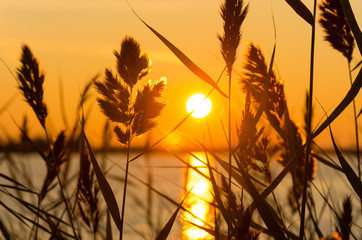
pixel 125 190
pixel 355 123
pixel 230 148
pixel 61 186
pixel 309 127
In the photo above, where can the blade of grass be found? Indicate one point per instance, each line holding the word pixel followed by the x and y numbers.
pixel 22 217
pixel 167 228
pixel 4 231
pixel 352 93
pixel 326 162
pixel 217 194
pixel 309 126
pixel 105 187
pixel 108 227
pixel 347 10
pixel 17 183
pixel 347 170
pixel 34 209
pixel 263 209
pixel 182 57
pixel 301 10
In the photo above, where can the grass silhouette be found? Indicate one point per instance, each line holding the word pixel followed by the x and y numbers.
pixel 85 205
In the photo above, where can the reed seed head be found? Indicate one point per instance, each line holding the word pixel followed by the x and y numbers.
pixel 338 32
pixel 132 64
pixel 30 82
pixel 233 13
pixel 130 116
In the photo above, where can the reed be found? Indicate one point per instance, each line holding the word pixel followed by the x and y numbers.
pixel 131 116
pixel 246 206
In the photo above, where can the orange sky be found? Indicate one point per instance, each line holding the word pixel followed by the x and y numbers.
pixel 74 41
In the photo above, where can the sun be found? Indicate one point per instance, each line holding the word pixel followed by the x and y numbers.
pixel 200 105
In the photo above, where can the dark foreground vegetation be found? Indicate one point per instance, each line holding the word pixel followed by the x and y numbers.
pixel 245 205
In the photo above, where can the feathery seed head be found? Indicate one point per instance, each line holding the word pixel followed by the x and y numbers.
pixel 130 116
pixel 31 84
pixel 132 64
pixel 336 27
pixel 233 13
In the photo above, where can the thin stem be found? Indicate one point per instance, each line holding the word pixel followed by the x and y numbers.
pixel 125 189
pixel 355 124
pixel 126 174
pixel 309 127
pixel 65 198
pixel 230 149
pixel 355 128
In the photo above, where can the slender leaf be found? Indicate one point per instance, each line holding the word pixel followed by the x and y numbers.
pixel 326 162
pixel 167 228
pixel 264 210
pixel 301 10
pixel 24 188
pixel 22 217
pixel 183 58
pixel 360 112
pixel 109 227
pixel 347 170
pixel 347 10
pixel 218 199
pixel 105 188
pixel 4 231
pixel 352 93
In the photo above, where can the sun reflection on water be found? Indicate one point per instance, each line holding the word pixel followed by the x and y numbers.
pixel 197 201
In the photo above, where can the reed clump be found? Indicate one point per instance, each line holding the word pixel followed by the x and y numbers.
pixel 246 204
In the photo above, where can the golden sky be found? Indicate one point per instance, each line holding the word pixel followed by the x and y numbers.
pixel 74 41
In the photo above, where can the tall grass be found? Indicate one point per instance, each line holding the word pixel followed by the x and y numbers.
pixel 86 205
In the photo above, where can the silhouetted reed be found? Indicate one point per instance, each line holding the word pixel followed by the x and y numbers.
pixel 340 36
pixel 54 160
pixel 249 209
pixel 233 13
pixel 131 116
pixel 338 33
pixel 344 220
pixel 31 81
pixel 87 193
pixel 240 216
pixel 276 111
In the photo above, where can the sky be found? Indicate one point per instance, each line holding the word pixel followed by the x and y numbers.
pixel 74 41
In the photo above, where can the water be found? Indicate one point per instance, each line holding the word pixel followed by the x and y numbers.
pixel 146 213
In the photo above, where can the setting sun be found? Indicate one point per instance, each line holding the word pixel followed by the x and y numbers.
pixel 199 105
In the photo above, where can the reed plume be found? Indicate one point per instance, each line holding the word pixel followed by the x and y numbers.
pixel 344 220
pixel 340 36
pixel 253 154
pixel 30 80
pixel 233 13
pixel 338 32
pixel 87 194
pixel 55 158
pixel 240 216
pixel 276 111
pixel 130 117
